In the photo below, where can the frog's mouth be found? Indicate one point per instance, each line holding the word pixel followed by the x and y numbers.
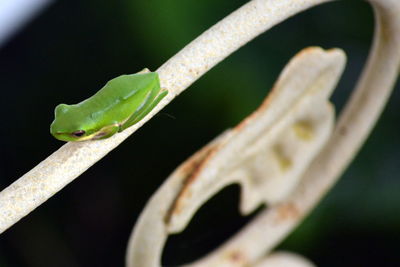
pixel 104 132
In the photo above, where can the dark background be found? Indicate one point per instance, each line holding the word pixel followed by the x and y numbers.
pixel 73 47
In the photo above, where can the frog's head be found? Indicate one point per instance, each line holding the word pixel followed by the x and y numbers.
pixel 67 126
pixel 71 124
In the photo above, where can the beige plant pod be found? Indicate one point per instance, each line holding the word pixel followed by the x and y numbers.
pixel 266 154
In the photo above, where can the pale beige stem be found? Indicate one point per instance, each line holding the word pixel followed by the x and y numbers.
pixel 358 118
pixel 266 154
pixel 353 127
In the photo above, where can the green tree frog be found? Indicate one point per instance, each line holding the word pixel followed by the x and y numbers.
pixel 122 102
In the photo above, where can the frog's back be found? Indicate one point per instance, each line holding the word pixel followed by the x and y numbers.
pixel 120 97
pixel 123 87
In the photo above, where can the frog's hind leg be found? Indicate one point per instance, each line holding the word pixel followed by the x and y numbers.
pixel 141 113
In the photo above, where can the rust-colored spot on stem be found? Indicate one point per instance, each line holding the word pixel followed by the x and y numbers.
pixel 236 257
pixel 190 172
pixel 288 211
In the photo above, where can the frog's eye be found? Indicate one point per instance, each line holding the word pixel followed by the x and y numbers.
pixel 78 133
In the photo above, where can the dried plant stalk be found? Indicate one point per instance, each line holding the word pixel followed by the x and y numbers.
pixel 267 154
pixel 270 227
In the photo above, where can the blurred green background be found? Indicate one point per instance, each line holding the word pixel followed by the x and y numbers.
pixel 73 47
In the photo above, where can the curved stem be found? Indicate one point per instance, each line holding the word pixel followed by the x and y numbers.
pixel 248 154
pixel 355 123
pixel 225 37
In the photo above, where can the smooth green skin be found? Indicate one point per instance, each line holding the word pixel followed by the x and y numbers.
pixel 122 102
